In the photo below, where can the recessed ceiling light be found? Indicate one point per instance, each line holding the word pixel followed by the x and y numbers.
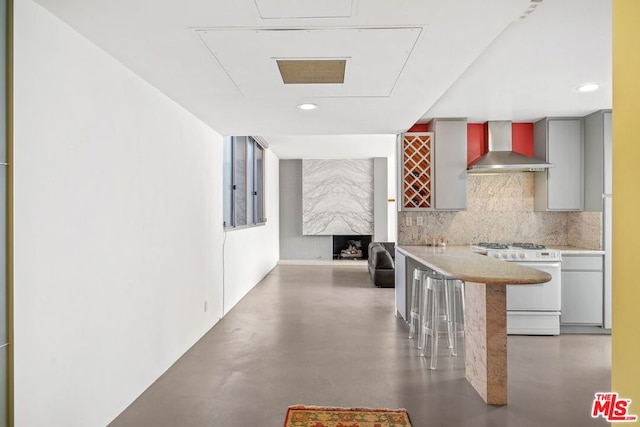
pixel 588 87
pixel 307 106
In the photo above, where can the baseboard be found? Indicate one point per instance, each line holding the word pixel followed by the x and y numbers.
pixel 358 263
pixel 584 329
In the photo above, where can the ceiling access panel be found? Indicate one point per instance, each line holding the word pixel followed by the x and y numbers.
pixel 374 58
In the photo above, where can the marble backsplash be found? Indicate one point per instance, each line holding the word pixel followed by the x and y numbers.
pixel 500 209
pixel 584 229
pixel 506 192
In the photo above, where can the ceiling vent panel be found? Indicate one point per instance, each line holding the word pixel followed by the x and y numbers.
pixel 331 63
pixel 304 9
pixel 312 71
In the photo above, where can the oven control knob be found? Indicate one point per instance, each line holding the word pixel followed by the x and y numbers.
pixel 505 255
pixel 513 255
pixel 496 255
pixel 521 255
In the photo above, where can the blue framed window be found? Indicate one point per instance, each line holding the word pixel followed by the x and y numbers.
pixel 243 169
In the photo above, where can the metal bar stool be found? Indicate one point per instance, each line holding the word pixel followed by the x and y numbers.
pixel 442 301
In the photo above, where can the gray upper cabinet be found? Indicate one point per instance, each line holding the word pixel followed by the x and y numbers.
pixel 559 142
pixel 607 135
pixel 432 168
pixel 450 161
pixel 597 159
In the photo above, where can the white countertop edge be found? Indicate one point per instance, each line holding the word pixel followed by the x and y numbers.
pixel 571 250
pixel 582 252
pixel 417 258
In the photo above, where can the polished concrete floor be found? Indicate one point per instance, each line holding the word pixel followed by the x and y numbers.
pixel 322 335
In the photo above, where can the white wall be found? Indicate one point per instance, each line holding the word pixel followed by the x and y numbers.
pixel 118 229
pixel 252 252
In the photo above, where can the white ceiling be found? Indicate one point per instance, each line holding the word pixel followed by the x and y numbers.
pixel 532 69
pixel 406 61
pixel 278 9
pixel 255 73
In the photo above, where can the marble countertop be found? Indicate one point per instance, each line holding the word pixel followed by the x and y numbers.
pixel 574 250
pixel 461 262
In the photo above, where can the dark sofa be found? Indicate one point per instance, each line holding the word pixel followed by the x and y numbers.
pixel 382 264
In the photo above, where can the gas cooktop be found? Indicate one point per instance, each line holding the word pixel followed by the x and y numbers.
pixel 526 245
pixel 518 251
pixel 517 245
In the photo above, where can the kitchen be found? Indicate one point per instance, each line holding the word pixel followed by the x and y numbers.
pixel 547 201
pixel 511 207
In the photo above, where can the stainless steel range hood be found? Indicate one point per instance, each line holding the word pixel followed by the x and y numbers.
pixel 501 157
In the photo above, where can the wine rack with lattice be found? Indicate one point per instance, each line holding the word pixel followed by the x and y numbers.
pixel 416 170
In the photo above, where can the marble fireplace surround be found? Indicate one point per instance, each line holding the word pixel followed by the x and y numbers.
pixel 337 197
pixel 500 209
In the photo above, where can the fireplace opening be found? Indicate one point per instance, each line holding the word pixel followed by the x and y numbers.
pixel 351 247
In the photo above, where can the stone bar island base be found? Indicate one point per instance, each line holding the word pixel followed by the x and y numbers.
pixel 485 311
pixel 485 317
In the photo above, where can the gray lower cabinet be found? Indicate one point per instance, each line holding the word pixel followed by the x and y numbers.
pixel 401 285
pixel 582 290
pixel 404 269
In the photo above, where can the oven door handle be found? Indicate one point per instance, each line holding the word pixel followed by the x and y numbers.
pixel 539 264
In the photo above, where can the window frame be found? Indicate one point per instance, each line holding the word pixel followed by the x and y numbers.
pixel 252 188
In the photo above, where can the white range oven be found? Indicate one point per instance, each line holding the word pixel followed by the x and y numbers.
pixel 531 309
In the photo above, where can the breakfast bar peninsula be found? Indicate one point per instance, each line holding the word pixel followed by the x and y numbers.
pixel 485 312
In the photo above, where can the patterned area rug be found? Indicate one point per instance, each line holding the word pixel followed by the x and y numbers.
pixel 316 416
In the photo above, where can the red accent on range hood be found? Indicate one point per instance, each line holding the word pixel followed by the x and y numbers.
pixel 522 134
